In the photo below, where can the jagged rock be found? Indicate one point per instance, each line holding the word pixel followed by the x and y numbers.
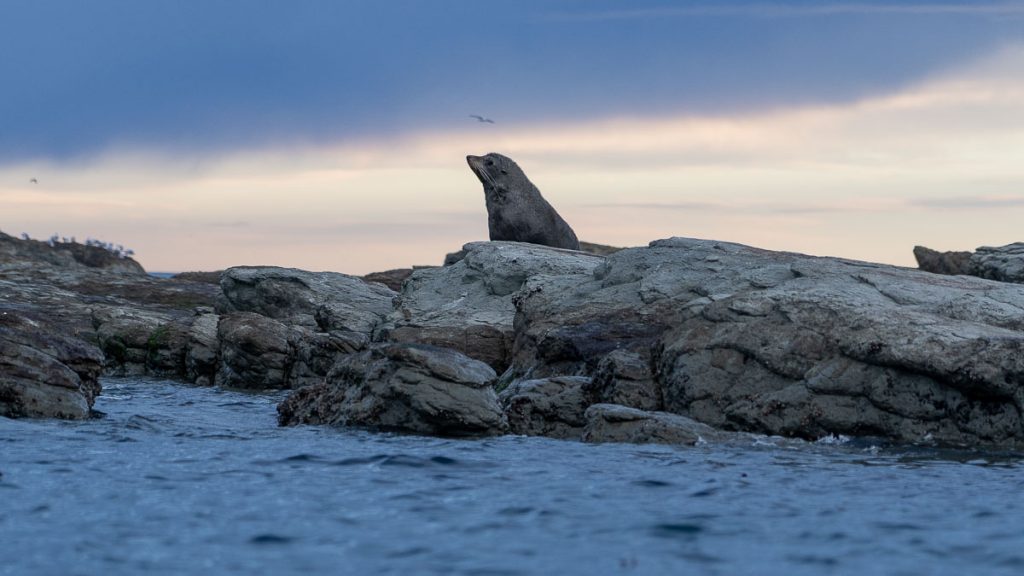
pixel 254 351
pixel 203 349
pixel 260 353
pixel 942 262
pixel 625 377
pixel 136 341
pixel 467 304
pixel 408 387
pixel 44 373
pixel 614 423
pixel 324 301
pixel 786 344
pixel 314 353
pixel 552 407
pixel 1003 263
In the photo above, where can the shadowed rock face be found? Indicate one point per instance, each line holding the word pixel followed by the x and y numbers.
pixel 952 263
pixel 516 211
pixel 43 373
pixel 407 387
pixel 1002 263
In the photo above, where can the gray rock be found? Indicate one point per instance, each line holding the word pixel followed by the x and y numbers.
pixel 140 341
pixel 786 344
pixel 552 407
pixel 625 377
pixel 467 304
pixel 324 301
pixel 44 373
pixel 407 387
pixel 942 262
pixel 614 423
pixel 203 350
pixel 1003 263
pixel 254 352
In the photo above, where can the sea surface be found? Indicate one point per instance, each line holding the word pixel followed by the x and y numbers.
pixel 183 480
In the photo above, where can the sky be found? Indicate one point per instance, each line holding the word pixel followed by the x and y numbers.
pixel 332 135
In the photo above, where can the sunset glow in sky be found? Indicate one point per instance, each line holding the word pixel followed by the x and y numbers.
pixel 333 135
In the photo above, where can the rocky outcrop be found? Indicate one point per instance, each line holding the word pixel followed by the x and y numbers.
pixel 406 387
pixel 84 308
pixel 614 423
pixel 952 263
pixel 779 343
pixel 323 301
pixel 467 304
pixel 552 407
pixel 44 373
pixel 1003 263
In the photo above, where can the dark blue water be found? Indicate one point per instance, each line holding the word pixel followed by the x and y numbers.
pixel 181 480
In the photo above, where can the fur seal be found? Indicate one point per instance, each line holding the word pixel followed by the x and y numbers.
pixel 515 209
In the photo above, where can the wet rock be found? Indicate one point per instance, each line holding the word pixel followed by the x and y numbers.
pixel 1003 263
pixel 44 373
pixel 407 387
pixel 614 423
pixel 953 263
pixel 323 301
pixel 552 407
pixel 467 304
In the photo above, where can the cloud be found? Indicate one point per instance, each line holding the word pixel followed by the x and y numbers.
pixel 969 202
pixel 781 10
pixel 867 179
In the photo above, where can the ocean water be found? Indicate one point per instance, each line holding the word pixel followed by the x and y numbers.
pixel 184 480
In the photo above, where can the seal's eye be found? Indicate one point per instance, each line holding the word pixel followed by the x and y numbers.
pixel 504 171
pixel 490 162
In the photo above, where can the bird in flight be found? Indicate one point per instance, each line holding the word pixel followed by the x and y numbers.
pixel 34 181
pixel 480 118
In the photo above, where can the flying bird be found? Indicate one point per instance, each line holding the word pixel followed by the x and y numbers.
pixel 481 118
pixel 34 181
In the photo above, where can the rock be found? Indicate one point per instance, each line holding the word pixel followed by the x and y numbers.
pixel 212 277
pixel 552 407
pixel 953 263
pixel 467 304
pixel 614 423
pixel 599 249
pixel 393 279
pixel 137 341
pixel 314 353
pixel 1005 263
pixel 625 377
pixel 65 255
pixel 324 301
pixel 44 373
pixel 406 387
pixel 254 352
pixel 203 349
pixel 786 344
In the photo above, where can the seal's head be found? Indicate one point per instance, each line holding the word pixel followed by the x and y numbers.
pixel 492 168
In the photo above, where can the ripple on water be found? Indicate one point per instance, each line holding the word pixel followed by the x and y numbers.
pixel 207 478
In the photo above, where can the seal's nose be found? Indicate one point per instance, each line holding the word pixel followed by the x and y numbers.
pixel 473 161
